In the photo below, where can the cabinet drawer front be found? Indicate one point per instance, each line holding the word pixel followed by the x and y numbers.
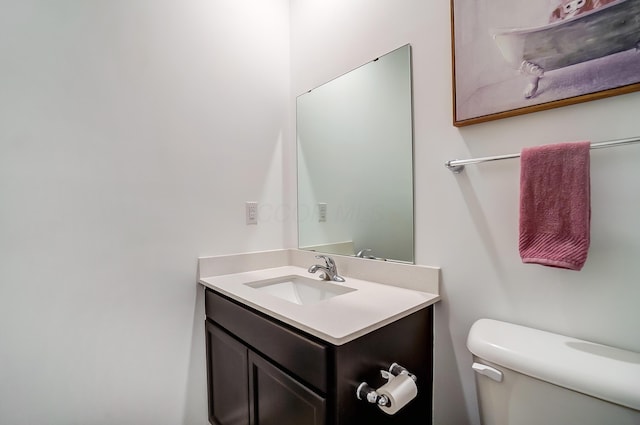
pixel 301 356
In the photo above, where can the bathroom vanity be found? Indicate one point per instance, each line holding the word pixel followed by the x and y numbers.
pixel 271 360
pixel 262 369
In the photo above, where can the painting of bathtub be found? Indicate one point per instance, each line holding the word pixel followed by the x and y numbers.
pixel 534 67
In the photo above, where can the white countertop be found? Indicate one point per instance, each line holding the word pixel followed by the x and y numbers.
pixel 337 320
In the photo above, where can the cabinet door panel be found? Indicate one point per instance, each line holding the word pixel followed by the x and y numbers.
pixel 277 399
pixel 227 370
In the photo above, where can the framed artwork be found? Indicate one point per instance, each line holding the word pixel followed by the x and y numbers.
pixel 512 57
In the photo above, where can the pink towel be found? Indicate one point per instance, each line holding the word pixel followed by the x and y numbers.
pixel 555 209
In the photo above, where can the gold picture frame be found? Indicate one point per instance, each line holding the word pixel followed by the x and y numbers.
pixel 513 57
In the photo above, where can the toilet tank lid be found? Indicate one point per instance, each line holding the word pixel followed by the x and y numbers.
pixel 598 370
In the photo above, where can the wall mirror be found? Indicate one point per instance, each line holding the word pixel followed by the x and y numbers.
pixel 355 162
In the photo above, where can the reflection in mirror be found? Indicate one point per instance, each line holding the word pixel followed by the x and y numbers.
pixel 355 162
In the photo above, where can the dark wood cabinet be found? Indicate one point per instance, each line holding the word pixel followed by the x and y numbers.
pixel 264 372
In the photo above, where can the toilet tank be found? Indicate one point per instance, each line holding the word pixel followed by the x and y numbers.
pixel 531 377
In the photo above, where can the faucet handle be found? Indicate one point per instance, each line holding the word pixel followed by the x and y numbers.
pixel 328 261
pixel 330 268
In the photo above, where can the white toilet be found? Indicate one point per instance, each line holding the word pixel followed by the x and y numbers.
pixel 531 377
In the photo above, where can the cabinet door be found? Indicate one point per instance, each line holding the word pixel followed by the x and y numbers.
pixel 278 399
pixel 227 378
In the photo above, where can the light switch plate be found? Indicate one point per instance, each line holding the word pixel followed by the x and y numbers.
pixel 251 212
pixel 322 211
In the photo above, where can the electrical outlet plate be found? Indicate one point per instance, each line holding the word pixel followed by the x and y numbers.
pixel 251 212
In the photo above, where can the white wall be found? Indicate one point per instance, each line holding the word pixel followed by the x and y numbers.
pixel 131 134
pixel 467 223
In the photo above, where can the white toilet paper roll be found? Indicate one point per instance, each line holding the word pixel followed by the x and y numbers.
pixel 400 391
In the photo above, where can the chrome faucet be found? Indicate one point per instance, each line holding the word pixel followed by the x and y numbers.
pixel 330 270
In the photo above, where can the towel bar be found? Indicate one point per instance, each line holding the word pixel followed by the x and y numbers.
pixel 457 165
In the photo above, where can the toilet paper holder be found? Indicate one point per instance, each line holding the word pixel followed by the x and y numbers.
pixel 370 394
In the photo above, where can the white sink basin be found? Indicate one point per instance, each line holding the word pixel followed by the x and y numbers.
pixel 300 290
